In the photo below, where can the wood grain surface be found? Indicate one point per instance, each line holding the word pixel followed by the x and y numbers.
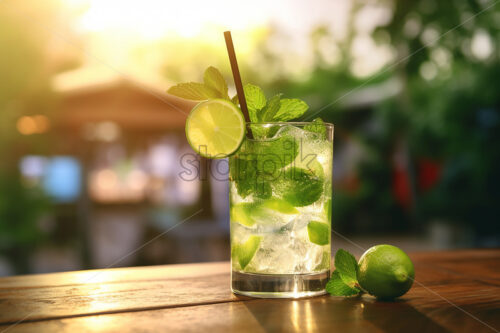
pixel 455 291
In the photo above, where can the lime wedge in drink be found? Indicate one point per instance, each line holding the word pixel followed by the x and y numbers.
pixel 244 252
pixel 319 233
pixel 215 128
pixel 280 206
pixel 248 213
pixel 241 213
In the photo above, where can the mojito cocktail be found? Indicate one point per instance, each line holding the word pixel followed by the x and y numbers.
pixel 280 208
pixel 280 176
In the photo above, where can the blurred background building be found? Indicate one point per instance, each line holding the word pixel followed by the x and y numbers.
pixel 93 158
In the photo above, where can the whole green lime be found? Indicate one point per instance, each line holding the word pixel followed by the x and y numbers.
pixel 385 271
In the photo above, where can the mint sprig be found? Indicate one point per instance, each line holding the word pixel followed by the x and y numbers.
pixel 268 113
pixel 213 78
pixel 317 126
pixel 273 109
pixel 343 281
pixel 337 287
pixel 260 109
pixel 346 265
pixel 213 86
pixel 291 108
pixel 194 91
pixel 256 101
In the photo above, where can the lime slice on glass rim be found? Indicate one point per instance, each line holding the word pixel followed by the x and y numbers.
pixel 215 128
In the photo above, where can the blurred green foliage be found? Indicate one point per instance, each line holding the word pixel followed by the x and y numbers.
pixel 451 117
pixel 24 90
pixel 20 212
pixel 25 71
pixel 446 115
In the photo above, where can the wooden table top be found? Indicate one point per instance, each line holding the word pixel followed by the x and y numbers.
pixel 456 291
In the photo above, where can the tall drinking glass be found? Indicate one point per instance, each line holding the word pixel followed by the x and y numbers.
pixel 280 199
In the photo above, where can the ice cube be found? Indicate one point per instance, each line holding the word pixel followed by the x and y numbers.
pixel 287 251
pixel 312 148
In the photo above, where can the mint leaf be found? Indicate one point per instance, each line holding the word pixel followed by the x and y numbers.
pixel 193 91
pixel 214 86
pixel 256 101
pixel 258 132
pixel 337 287
pixel 270 110
pixel 247 179
pixel 255 96
pixel 244 174
pixel 252 113
pixel 346 265
pixel 214 79
pixel 317 126
pixel 262 188
pixel 255 164
pixel 290 109
pixel 275 109
pixel 273 155
pixel 299 187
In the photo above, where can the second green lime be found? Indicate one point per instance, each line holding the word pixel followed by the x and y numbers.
pixel 385 271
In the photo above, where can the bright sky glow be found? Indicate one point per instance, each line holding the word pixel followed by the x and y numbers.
pixel 118 30
pixel 156 18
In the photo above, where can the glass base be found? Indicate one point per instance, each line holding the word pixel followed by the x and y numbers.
pixel 279 285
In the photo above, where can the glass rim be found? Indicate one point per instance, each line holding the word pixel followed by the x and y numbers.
pixel 283 123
